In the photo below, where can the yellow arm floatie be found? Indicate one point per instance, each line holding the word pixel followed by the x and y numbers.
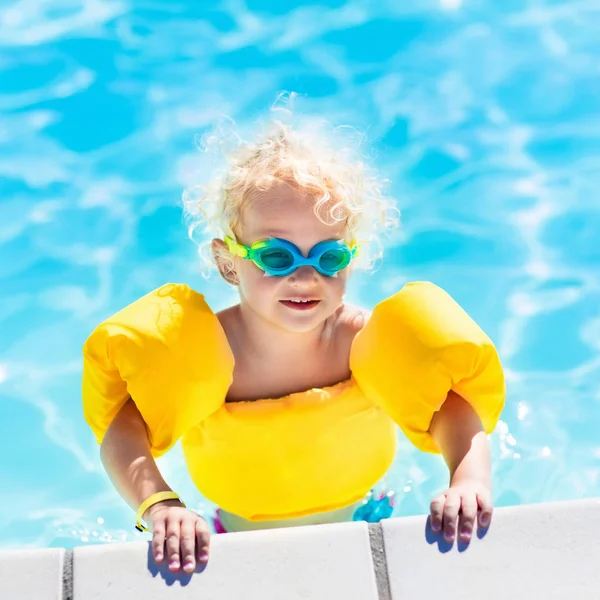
pixel 168 352
pixel 417 346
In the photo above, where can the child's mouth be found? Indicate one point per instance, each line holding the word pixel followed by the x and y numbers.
pixel 300 304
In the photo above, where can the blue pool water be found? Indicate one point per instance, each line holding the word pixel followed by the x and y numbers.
pixel 483 114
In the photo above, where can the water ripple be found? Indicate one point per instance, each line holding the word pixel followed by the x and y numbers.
pixel 485 116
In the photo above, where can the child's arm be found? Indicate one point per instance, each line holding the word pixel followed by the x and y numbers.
pixel 126 456
pixel 459 434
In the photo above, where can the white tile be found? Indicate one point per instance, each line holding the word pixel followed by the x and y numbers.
pixel 548 551
pixel 31 574
pixel 325 562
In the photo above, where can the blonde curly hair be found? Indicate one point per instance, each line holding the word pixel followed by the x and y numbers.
pixel 311 155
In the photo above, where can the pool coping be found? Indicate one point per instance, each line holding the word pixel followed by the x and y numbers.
pixel 547 550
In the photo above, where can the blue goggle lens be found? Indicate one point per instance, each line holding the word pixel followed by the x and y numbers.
pixel 334 260
pixel 277 259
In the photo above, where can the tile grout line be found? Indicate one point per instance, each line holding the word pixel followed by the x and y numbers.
pixel 379 561
pixel 67 575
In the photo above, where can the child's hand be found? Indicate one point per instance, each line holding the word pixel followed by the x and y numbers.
pixel 180 532
pixel 465 501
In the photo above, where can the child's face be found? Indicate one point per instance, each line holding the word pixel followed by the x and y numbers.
pixel 286 212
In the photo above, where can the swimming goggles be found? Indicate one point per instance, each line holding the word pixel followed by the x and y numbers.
pixel 278 257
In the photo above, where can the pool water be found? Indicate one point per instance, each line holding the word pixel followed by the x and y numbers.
pixel 484 115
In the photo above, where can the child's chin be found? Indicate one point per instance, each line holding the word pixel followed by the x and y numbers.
pixel 301 325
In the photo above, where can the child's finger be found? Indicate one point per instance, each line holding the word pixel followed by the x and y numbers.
pixel 451 509
pixel 484 499
pixel 188 545
pixel 437 512
pixel 173 549
pixel 158 539
pixel 468 514
pixel 202 540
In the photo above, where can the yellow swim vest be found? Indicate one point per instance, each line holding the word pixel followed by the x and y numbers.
pixel 308 452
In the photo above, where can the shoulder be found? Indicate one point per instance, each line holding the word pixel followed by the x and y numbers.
pixel 351 320
pixel 160 314
pixel 354 318
pixel 171 298
pixel 424 315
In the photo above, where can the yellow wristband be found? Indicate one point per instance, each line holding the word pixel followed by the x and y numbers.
pixel 151 501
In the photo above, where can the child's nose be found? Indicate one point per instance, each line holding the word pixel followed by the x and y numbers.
pixel 304 275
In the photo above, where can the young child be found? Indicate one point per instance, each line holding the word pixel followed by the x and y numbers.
pixel 287 403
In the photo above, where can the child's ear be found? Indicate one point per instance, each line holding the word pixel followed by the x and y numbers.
pixel 224 261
